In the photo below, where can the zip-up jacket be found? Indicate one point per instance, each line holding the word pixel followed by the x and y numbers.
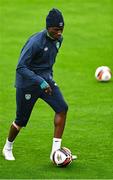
pixel 36 60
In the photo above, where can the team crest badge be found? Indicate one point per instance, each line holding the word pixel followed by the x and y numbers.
pixel 27 96
pixel 57 45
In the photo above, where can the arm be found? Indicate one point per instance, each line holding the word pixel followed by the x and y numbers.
pixel 25 59
pixel 23 69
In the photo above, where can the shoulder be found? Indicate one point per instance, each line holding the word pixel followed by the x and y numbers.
pixel 38 39
pixel 35 42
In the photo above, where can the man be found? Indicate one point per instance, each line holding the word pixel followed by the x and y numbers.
pixel 34 79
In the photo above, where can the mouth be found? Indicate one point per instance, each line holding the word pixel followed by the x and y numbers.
pixel 56 36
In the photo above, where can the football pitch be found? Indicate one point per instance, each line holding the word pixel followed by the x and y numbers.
pixel 88 43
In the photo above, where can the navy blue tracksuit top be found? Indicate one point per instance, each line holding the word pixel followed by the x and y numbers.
pixel 36 60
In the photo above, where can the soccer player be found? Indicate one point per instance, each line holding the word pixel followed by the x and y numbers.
pixel 34 79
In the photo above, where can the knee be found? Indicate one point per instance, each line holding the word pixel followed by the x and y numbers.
pixel 63 111
pixel 16 126
pixel 65 107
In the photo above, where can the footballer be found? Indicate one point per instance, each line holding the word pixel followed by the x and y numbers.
pixel 34 79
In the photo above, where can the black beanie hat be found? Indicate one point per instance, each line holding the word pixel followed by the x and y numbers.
pixel 54 19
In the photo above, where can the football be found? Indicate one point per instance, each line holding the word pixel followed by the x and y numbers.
pixel 62 157
pixel 103 73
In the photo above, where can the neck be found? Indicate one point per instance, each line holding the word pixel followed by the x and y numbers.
pixel 49 36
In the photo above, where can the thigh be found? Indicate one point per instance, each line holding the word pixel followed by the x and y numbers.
pixel 25 100
pixel 56 100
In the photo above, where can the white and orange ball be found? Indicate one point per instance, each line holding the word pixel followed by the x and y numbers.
pixel 103 73
pixel 62 157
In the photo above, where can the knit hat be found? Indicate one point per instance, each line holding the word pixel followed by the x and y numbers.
pixel 54 18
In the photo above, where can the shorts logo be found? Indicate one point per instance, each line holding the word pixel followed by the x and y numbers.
pixel 27 96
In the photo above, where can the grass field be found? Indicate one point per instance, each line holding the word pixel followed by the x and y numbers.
pixel 88 43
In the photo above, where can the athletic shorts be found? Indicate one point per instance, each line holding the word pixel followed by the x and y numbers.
pixel 26 98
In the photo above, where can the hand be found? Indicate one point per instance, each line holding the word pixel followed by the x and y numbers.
pixel 46 87
pixel 48 90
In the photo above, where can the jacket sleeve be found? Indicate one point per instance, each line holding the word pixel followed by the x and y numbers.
pixel 26 58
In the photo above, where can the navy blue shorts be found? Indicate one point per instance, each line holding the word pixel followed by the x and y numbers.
pixel 26 98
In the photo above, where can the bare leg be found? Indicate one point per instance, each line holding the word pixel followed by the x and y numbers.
pixel 14 130
pixel 59 124
pixel 7 150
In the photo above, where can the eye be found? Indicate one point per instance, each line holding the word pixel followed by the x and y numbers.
pixel 58 29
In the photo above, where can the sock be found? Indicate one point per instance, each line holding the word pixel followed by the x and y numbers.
pixel 56 145
pixel 8 144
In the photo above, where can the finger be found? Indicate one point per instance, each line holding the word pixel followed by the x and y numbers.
pixel 46 91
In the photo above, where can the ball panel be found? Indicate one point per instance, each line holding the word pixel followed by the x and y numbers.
pixel 62 157
pixel 59 157
pixel 106 76
pixel 66 162
pixel 67 150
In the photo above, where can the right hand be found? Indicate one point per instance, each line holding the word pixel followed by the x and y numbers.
pixel 48 90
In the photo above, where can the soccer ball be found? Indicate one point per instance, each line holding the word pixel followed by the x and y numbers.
pixel 62 157
pixel 103 73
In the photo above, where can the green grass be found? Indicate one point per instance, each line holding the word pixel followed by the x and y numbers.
pixel 88 43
